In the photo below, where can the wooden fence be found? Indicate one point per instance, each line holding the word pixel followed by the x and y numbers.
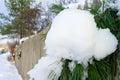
pixel 31 51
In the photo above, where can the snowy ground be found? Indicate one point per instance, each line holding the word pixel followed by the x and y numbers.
pixel 7 70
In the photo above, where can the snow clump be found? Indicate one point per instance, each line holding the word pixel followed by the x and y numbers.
pixel 74 36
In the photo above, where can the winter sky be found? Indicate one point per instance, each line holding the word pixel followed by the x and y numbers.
pixel 3 9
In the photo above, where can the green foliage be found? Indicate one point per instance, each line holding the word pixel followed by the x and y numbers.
pixel 109 19
pixel 78 72
pixel 103 67
pixel 56 8
pixel 94 11
pixel 65 74
pixel 93 73
pixel 7 29
pixel 2 16
pixel 16 7
pixel 99 70
pixel 24 16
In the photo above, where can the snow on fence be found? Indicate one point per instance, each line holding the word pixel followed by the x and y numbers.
pixel 29 52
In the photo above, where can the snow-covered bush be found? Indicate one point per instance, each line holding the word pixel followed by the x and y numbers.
pixel 73 36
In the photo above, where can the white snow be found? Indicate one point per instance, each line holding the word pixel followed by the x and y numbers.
pixel 26 38
pixel 23 39
pixel 75 36
pixel 7 70
pixel 3 39
pixel 47 68
pixel 71 66
pixel 82 2
pixel 105 44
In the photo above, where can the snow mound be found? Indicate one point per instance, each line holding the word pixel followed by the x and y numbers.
pixel 74 36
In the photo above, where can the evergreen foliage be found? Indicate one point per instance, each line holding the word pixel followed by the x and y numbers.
pixel 78 72
pixel 24 16
pixel 7 29
pixel 93 73
pixel 65 74
pixel 5 18
pixel 99 70
pixel 109 19
pixel 56 8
